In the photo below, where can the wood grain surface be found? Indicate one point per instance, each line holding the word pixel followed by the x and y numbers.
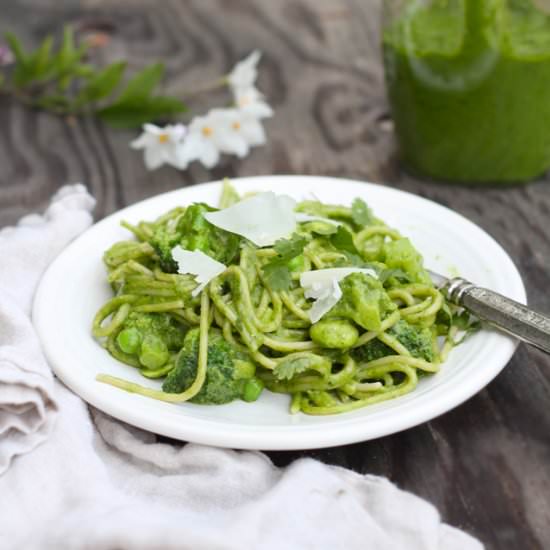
pixel 486 464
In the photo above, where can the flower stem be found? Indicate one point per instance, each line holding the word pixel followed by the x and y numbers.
pixel 203 88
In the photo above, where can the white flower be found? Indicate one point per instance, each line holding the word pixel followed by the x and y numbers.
pixel 160 145
pixel 241 131
pixel 210 135
pixel 232 131
pixel 245 72
pixel 251 101
pixel 242 81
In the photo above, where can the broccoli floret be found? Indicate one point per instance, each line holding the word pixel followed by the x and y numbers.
pixel 373 349
pixel 199 234
pixel 400 254
pixel 417 340
pixel 363 300
pixel 163 241
pixel 193 232
pixel 228 370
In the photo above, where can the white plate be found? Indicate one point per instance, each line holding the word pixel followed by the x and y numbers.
pixel 74 287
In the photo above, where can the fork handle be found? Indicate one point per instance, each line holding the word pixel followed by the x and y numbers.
pixel 501 312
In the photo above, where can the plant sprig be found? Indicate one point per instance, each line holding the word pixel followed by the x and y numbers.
pixel 62 81
pixel 277 270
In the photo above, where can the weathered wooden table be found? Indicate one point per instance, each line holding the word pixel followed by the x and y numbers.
pixel 485 465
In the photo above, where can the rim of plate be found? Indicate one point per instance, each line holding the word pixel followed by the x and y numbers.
pixel 403 414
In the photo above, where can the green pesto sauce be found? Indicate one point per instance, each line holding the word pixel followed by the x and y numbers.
pixel 469 86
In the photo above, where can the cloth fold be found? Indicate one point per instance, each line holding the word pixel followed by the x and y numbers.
pixel 27 403
pixel 99 483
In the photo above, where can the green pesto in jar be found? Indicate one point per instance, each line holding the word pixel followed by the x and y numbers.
pixel 469 87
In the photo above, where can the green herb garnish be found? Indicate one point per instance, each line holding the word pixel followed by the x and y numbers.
pixel 64 81
pixel 277 270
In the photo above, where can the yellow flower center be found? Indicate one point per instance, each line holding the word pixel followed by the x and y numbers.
pixel 236 126
pixel 207 131
pixel 163 138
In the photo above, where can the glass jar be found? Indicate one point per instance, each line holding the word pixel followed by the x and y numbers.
pixel 469 87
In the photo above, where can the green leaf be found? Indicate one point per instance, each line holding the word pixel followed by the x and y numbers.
pixel 342 240
pixel 361 213
pixel 135 105
pixel 277 275
pixel 101 84
pixel 67 57
pixel 468 324
pixel 142 84
pixel 290 248
pixel 444 319
pixel 15 47
pixel 462 321
pixel 41 59
pixel 132 114
pixel 297 363
pixel 33 66
pixel 277 270
pixel 66 53
pixel 22 72
pixel 288 369
pixel 83 70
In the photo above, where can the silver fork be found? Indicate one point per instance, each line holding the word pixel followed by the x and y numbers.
pixel 497 310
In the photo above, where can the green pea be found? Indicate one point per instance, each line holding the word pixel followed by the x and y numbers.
pixel 334 333
pixel 128 340
pixel 297 263
pixel 154 352
pixel 252 389
pixel 243 369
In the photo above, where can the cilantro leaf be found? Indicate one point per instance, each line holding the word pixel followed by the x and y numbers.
pixel 296 364
pixel 342 240
pixel 277 270
pixel 468 324
pixel 361 214
pixel 277 275
pixel 462 321
pixel 288 369
pixel 290 248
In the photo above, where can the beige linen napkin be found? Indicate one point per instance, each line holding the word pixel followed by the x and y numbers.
pixel 27 404
pixel 96 483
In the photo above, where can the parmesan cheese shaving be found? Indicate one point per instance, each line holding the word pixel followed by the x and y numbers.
pixel 263 218
pixel 199 264
pixel 322 285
